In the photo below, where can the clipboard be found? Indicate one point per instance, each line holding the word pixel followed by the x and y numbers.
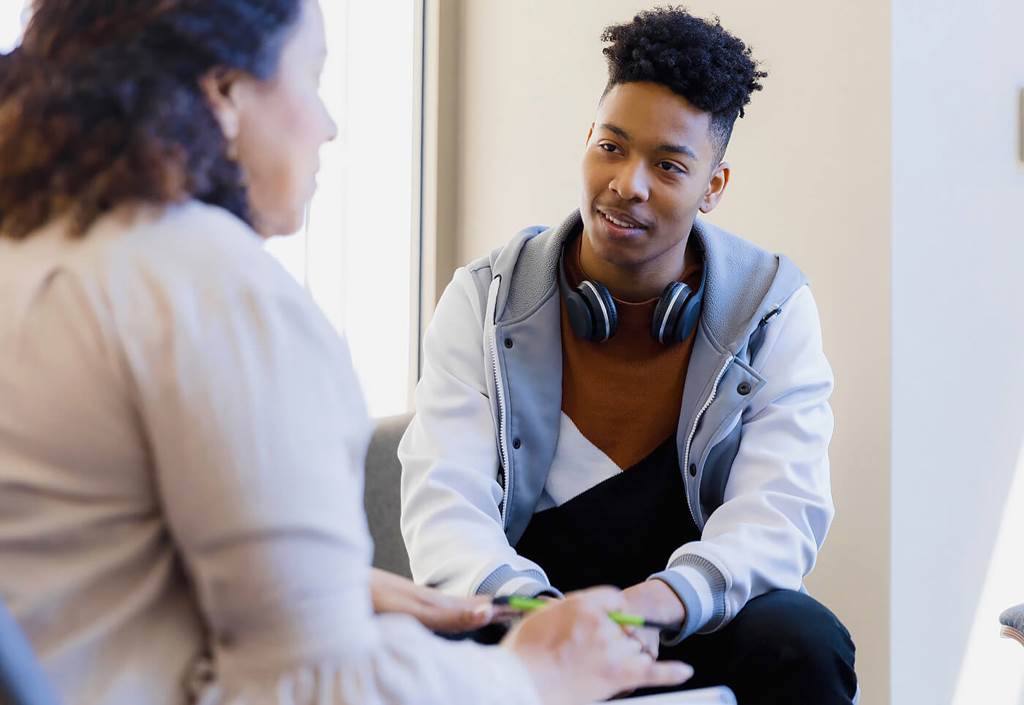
pixel 705 696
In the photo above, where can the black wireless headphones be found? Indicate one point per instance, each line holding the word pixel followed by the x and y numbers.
pixel 594 317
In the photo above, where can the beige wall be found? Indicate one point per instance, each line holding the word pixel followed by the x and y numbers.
pixel 811 178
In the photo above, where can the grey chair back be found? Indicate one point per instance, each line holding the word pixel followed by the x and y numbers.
pixel 22 680
pixel 383 496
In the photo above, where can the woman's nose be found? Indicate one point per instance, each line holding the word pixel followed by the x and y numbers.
pixel 332 129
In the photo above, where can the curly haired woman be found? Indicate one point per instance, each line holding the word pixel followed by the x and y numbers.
pixel 181 431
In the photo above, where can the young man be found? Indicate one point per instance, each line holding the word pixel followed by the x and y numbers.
pixel 638 398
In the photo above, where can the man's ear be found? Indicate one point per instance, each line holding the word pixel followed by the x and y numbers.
pixel 590 133
pixel 220 89
pixel 716 187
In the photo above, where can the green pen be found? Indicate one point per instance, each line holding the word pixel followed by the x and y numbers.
pixel 529 604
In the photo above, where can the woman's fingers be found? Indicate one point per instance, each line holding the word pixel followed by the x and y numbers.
pixel 576 653
pixel 477 616
pixel 445 613
pixel 500 613
pixel 642 671
pixel 649 639
pixel 631 650
pixel 432 608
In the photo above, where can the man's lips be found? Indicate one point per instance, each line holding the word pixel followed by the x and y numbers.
pixel 620 220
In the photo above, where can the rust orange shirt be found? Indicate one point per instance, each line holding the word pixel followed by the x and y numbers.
pixel 624 394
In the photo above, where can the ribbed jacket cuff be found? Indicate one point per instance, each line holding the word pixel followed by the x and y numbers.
pixel 526 587
pixel 700 586
pixel 505 581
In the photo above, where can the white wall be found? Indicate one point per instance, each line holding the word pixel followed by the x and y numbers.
pixel 811 178
pixel 958 333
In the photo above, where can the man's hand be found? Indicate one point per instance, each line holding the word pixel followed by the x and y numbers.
pixel 656 601
pixel 434 610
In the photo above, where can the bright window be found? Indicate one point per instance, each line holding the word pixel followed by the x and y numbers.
pixel 10 23
pixel 356 254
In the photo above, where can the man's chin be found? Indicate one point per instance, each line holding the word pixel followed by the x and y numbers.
pixel 621 252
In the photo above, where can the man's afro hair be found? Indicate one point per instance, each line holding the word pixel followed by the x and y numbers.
pixel 694 58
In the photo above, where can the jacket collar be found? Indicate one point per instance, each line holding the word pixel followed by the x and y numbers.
pixel 743 282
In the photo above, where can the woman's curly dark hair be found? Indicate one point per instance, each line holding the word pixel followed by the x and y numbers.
pixel 694 58
pixel 101 104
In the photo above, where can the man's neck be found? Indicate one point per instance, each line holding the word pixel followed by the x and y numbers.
pixel 635 284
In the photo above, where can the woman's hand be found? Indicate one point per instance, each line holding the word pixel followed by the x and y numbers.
pixel 576 654
pixel 434 610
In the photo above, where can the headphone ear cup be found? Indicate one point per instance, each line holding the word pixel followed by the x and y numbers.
pixel 687 322
pixel 581 320
pixel 604 316
pixel 669 312
pixel 613 311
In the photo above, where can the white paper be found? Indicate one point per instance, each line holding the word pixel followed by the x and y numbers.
pixel 706 696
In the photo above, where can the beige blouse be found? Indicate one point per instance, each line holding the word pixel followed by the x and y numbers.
pixel 181 455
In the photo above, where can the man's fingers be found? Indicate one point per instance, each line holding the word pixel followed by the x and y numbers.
pixel 607 598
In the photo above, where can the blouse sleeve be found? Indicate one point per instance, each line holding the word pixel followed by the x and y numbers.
pixel 257 432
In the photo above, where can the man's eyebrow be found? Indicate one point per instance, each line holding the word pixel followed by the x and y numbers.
pixel 678 149
pixel 671 148
pixel 617 130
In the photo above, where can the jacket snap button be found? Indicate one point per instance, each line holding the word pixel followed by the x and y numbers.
pixel 693 469
pixel 508 342
pixel 744 388
pixel 516 443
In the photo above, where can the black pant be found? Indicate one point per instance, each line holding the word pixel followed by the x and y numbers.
pixel 783 648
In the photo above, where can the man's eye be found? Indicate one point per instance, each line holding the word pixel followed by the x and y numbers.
pixel 670 167
pixel 608 147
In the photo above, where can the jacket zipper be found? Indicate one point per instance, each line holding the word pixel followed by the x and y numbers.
pixel 499 392
pixel 776 310
pixel 693 431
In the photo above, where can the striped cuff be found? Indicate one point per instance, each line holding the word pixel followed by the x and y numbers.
pixel 505 581
pixel 700 586
pixel 526 587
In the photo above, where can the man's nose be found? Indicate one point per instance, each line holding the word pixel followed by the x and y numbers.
pixel 631 182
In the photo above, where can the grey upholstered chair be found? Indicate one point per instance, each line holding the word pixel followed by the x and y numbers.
pixel 1013 623
pixel 22 681
pixel 383 496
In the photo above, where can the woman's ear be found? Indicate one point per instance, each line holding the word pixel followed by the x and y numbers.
pixel 219 87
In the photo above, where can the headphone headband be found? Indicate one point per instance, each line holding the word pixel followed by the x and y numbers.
pixel 593 315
